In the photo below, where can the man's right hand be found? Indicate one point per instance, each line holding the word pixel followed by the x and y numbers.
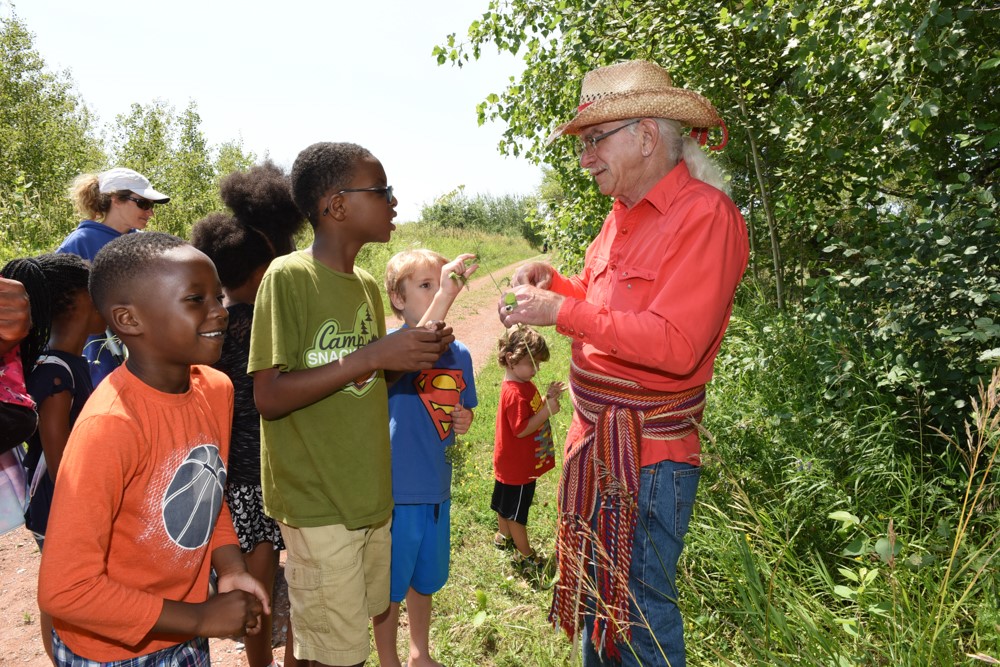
pixel 536 274
pixel 15 314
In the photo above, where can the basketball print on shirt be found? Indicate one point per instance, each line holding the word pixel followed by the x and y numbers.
pixel 332 342
pixel 193 499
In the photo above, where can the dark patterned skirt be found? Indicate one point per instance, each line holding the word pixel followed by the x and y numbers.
pixel 246 504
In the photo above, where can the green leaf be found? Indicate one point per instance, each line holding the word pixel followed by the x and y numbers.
pixel 841 515
pixel 885 551
pixel 844 592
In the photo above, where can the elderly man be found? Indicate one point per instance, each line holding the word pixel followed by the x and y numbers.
pixel 646 317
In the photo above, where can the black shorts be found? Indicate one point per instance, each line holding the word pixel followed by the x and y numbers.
pixel 512 502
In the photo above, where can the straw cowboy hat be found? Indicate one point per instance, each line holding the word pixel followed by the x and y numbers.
pixel 637 89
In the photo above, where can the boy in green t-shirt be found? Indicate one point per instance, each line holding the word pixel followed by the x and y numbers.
pixel 318 355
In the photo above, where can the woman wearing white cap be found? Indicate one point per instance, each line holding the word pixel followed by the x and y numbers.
pixel 114 202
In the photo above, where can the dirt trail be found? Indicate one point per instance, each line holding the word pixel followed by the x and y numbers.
pixel 475 321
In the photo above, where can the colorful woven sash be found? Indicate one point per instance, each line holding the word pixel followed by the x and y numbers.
pixel 605 463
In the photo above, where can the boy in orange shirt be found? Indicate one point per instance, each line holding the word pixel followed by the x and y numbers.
pixel 138 518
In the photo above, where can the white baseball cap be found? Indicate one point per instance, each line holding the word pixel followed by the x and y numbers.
pixel 120 178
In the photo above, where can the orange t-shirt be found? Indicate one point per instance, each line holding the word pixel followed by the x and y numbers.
pixel 656 294
pixel 137 510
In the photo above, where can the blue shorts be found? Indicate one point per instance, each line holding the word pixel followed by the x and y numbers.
pixel 421 548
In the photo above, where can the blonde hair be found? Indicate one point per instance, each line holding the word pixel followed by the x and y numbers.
pixel 520 342
pixel 404 264
pixel 87 198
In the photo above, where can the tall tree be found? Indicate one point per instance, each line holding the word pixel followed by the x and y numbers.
pixel 172 151
pixel 46 137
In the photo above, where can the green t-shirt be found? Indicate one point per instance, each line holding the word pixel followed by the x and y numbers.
pixel 327 463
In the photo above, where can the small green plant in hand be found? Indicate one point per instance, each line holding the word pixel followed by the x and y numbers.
pixel 510 301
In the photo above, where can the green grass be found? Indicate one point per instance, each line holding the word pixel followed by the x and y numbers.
pixel 493 250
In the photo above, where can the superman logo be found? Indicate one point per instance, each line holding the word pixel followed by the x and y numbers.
pixel 439 390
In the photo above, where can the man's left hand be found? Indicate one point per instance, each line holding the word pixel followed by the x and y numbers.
pixel 534 306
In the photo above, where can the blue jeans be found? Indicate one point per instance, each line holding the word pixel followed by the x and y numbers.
pixel 666 498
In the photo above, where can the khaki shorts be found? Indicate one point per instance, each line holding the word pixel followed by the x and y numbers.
pixel 337 579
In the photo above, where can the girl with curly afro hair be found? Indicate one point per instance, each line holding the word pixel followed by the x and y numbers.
pixel 261 225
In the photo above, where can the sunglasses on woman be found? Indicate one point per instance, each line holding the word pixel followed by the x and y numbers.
pixel 143 204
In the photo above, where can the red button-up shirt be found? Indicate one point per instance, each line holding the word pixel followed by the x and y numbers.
pixel 656 294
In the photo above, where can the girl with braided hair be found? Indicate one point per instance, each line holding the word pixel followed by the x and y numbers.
pixel 56 373
pixel 262 226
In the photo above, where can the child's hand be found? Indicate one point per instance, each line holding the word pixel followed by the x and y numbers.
pixel 231 614
pixel 413 349
pixel 461 420
pixel 244 581
pixel 456 274
pixel 553 405
pixel 555 390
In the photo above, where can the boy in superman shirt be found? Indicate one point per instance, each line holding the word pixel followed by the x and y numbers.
pixel 427 409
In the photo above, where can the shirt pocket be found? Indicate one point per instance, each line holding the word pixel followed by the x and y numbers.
pixel 600 278
pixel 634 288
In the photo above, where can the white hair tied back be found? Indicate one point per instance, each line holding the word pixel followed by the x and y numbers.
pixel 686 148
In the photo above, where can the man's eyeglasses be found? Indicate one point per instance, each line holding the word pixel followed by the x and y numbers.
pixel 387 191
pixel 143 204
pixel 589 144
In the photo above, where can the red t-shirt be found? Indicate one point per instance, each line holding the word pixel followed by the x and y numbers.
pixel 517 461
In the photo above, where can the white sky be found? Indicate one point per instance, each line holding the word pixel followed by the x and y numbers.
pixel 283 74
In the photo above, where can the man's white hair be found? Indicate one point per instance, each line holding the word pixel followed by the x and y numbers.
pixel 682 146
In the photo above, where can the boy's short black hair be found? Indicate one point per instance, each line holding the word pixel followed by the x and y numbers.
pixel 320 168
pixel 123 262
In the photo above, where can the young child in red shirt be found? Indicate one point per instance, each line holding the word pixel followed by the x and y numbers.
pixel 523 449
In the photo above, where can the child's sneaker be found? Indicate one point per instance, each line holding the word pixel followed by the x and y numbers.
pixel 533 561
pixel 503 542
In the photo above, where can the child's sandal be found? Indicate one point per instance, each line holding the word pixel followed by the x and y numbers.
pixel 504 542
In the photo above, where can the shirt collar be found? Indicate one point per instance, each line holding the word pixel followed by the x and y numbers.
pixel 662 195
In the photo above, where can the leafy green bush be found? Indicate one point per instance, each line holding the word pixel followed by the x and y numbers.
pixel 922 296
pixel 825 533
